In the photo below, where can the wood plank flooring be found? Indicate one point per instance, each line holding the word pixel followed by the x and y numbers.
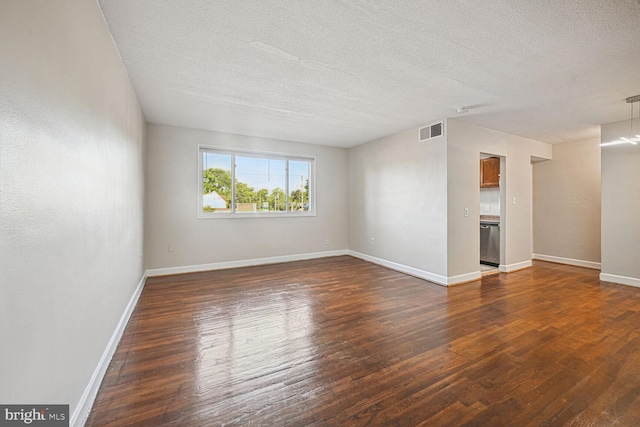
pixel 342 342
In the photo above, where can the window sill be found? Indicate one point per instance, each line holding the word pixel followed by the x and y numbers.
pixel 255 215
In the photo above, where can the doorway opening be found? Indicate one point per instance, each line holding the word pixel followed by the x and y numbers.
pixel 492 218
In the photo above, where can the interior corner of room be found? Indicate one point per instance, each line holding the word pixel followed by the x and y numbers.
pixel 103 114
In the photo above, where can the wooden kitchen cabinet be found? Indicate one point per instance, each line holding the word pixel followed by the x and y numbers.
pixel 490 172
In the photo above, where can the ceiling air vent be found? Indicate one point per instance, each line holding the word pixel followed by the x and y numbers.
pixel 430 131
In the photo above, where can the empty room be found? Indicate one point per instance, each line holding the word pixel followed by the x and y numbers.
pixel 338 213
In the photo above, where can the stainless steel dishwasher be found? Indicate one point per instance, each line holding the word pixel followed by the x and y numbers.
pixel 490 243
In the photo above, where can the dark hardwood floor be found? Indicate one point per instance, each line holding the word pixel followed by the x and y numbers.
pixel 342 342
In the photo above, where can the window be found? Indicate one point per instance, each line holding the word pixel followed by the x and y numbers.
pixel 243 183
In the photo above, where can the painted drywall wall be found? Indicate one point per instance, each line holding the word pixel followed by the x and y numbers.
pixel 566 204
pixel 465 143
pixel 490 201
pixel 71 197
pixel 398 197
pixel 620 168
pixel 411 198
pixel 172 203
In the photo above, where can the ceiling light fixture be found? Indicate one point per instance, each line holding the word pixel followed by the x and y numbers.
pixel 633 140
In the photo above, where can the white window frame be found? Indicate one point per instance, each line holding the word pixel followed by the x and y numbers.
pixel 202 214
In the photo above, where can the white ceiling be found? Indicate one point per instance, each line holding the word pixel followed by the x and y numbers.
pixel 344 72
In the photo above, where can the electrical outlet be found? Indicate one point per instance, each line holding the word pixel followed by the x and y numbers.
pixel 373 241
pixel 326 242
pixel 513 201
pixel 169 248
pixel 488 208
pixel 466 211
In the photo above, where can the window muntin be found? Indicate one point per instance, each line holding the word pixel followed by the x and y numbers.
pixel 241 184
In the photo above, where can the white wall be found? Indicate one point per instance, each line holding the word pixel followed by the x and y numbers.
pixel 71 197
pixel 490 201
pixel 172 200
pixel 410 197
pixel 398 196
pixel 566 204
pixel 620 206
pixel 465 143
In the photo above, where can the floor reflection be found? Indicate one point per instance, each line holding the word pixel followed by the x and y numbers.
pixel 259 340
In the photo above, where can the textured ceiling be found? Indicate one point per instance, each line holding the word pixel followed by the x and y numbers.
pixel 346 72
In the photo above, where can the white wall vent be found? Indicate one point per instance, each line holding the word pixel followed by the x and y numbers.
pixel 431 131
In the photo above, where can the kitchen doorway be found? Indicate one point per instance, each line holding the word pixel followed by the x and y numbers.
pixel 492 219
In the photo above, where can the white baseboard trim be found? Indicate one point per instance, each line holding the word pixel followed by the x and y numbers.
pixel 83 409
pixel 241 263
pixel 568 261
pixel 514 267
pixel 621 280
pixel 421 274
pixel 464 278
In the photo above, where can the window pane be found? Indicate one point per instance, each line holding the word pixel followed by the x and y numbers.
pixel 260 184
pixel 299 185
pixel 216 182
